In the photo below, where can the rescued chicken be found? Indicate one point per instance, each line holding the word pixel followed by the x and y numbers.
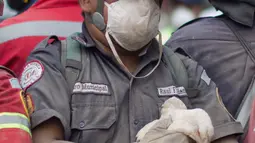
pixel 176 121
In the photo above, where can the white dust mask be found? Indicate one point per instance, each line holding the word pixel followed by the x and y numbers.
pixel 133 23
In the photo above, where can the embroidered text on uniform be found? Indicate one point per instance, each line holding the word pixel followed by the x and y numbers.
pixel 91 88
pixel 172 90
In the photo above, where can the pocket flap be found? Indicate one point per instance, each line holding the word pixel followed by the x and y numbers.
pixel 93 117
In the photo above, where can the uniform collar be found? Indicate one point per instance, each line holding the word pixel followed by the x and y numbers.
pixel 152 51
pixel 44 4
pixel 241 12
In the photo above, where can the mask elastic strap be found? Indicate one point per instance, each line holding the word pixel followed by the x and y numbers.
pixel 122 64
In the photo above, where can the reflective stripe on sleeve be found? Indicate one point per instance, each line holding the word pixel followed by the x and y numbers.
pixel 24 103
pixel 14 120
pixel 39 28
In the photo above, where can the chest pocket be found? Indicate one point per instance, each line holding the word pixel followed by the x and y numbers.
pixel 93 117
pixel 93 114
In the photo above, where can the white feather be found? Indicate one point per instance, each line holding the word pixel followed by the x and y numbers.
pixel 167 107
pixel 140 135
pixel 170 105
pixel 194 123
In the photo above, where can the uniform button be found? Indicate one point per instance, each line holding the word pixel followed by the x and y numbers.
pixel 82 124
pixel 136 122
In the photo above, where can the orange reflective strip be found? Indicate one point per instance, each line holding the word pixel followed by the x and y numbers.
pixel 24 103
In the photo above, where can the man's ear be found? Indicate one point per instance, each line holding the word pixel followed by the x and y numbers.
pixel 86 5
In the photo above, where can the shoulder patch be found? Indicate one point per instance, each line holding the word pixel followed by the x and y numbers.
pixel 15 83
pixel 32 72
pixel 205 77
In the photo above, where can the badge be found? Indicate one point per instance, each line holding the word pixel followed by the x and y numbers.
pixel 31 74
pixel 14 83
pixel 171 91
pixel 205 77
pixel 91 88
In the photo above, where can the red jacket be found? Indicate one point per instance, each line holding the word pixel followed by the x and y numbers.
pixel 20 34
pixel 14 111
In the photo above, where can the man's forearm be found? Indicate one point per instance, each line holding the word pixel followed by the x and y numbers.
pixel 229 139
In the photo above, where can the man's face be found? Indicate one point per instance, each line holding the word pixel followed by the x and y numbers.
pixel 90 6
pixel 1 7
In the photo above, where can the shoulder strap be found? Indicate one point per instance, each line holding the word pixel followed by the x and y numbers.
pixel 71 59
pixel 192 21
pixel 176 67
pixel 243 42
pixel 45 42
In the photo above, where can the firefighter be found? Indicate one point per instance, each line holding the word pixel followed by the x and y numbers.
pixel 14 111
